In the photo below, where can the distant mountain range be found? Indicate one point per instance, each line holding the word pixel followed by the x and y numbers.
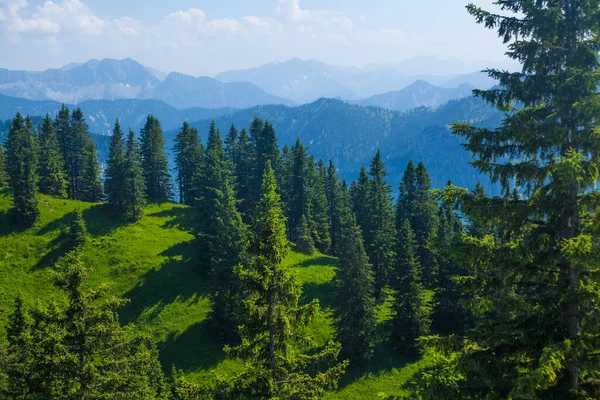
pixel 306 81
pixel 127 79
pixel 419 94
pixel 286 83
pixel 102 114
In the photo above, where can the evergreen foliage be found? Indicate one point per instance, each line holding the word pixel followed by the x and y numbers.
pixel 244 174
pixel 317 205
pixel 134 197
pixel 304 242
pixel 77 232
pixel 274 368
pixel 355 318
pixel 51 169
pixel 80 350
pixel 114 182
pixel 188 163
pixel 359 194
pixel 380 232
pixel 90 184
pixel 21 163
pixel 413 304
pixel 155 163
pixel 3 172
pixel 534 292
pixel 334 208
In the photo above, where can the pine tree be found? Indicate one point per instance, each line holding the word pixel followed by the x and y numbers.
pixel 304 242
pixel 188 163
pixel 62 126
pixel 380 235
pixel 222 236
pixel 51 169
pixel 114 182
pixel 79 157
pixel 264 148
pixel 535 292
pixel 155 163
pixel 319 217
pixel 134 196
pixel 355 318
pixel 333 191
pixel 244 174
pixel 90 184
pixel 232 148
pixel 3 172
pixel 296 190
pixel 413 303
pixel 274 370
pixel 359 192
pixel 21 165
pixel 77 232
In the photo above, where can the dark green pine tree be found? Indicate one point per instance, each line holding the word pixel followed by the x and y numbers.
pixel 274 317
pixel 265 148
pixel 232 148
pixel 134 196
pixel 91 185
pixel 380 234
pixel 244 174
pixel 62 127
pixel 304 243
pixel 413 304
pixel 114 183
pixel 21 165
pixel 189 160
pixel 51 168
pixel 317 202
pixel 77 232
pixel 296 186
pixel 155 163
pixel 78 157
pixel 222 237
pixel 333 191
pixel 359 192
pixel 355 318
pixel 417 204
pixel 535 292
pixel 3 172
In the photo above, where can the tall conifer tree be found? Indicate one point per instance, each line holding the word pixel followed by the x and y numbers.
pixel 21 164
pixel 273 314
pixel 155 163
pixel 51 169
pixel 535 292
pixel 90 184
pixel 3 172
pixel 114 183
pixel 359 192
pixel 135 187
pixel 189 159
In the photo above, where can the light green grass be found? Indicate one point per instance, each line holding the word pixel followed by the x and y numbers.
pixel 152 263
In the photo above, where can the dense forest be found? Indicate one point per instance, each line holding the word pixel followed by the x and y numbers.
pixel 478 297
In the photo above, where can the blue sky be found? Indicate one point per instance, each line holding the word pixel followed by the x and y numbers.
pixel 204 37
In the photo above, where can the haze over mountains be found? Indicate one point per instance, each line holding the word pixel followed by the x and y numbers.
pixel 287 83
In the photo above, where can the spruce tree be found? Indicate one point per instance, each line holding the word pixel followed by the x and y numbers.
pixel 188 163
pixel 296 190
pixel 232 148
pixel 333 191
pixel 62 126
pixel 114 182
pixel 355 318
pixel 79 158
pixel 77 232
pixel 318 213
pixel 535 292
pixel 359 192
pixel 21 165
pixel 380 235
pixel 134 196
pixel 222 237
pixel 413 303
pixel 51 169
pixel 244 174
pixel 90 184
pixel 273 315
pixel 304 243
pixel 3 172
pixel 155 163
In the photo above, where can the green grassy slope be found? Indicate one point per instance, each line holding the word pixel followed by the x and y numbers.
pixel 152 263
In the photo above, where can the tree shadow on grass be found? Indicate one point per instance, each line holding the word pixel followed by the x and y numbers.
pixel 184 218
pixel 59 246
pixel 178 278
pixel 195 349
pixel 8 224
pixel 325 292
pixel 101 220
pixel 318 261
